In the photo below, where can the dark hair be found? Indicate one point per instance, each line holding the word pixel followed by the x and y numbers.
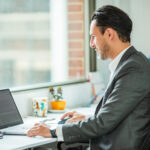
pixel 113 17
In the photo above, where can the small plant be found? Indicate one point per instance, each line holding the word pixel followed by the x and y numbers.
pixel 57 95
pixel 57 102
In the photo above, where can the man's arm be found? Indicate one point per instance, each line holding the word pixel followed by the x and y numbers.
pixel 129 90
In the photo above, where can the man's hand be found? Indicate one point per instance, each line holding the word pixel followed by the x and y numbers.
pixel 40 129
pixel 74 116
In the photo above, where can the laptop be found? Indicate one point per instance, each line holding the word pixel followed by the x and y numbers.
pixel 11 122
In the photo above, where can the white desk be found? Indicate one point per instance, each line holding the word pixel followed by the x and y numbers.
pixel 24 142
pixel 11 142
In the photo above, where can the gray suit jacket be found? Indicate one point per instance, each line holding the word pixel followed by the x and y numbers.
pixel 122 118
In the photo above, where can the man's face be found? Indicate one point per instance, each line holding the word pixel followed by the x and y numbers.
pixel 98 41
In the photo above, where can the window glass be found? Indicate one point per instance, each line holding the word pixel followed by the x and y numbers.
pixel 41 41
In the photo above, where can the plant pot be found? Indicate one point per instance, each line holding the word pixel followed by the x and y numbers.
pixel 58 105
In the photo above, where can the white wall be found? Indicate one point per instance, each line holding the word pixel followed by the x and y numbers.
pixel 75 95
pixel 141 25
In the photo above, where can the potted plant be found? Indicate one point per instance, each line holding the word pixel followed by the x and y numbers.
pixel 57 102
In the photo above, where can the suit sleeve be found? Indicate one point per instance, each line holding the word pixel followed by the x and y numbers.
pixel 130 87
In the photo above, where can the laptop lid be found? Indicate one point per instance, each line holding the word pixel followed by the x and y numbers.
pixel 9 114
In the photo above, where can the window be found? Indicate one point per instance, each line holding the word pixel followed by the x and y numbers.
pixel 41 41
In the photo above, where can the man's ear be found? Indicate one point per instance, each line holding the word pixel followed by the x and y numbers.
pixel 110 33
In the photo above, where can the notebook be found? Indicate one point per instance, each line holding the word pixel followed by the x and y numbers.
pixel 11 122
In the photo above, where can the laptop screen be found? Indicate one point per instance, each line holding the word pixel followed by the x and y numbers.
pixel 9 114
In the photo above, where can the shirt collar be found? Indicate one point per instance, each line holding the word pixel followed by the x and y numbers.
pixel 114 63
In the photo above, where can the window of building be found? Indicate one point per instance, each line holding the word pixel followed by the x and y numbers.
pixel 41 41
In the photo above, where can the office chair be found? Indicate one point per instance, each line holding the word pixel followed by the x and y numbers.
pixel 74 146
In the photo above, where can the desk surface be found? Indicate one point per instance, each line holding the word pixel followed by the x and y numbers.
pixel 24 142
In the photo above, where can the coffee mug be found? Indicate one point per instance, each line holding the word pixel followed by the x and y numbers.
pixel 40 106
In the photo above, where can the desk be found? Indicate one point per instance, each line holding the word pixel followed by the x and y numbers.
pixel 23 142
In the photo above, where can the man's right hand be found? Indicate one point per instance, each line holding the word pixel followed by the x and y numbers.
pixel 40 129
pixel 74 116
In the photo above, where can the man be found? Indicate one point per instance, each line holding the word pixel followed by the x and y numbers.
pixel 122 117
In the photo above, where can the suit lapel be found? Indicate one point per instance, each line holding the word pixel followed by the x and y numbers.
pixel 126 55
pixel 98 106
pixel 110 86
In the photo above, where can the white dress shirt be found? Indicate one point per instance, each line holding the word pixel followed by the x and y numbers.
pixel 112 67
pixel 114 63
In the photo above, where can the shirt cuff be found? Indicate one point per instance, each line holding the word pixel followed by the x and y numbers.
pixel 59 133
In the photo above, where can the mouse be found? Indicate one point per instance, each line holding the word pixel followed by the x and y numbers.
pixel 63 121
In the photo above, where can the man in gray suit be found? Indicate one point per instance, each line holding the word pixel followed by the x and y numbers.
pixel 122 117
